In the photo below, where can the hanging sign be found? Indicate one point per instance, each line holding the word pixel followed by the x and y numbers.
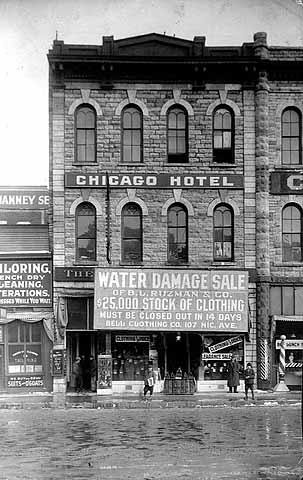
pixel 131 338
pixel 58 362
pixel 225 344
pixel 294 344
pixel 216 356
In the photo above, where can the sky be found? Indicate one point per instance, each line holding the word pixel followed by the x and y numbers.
pixel 28 28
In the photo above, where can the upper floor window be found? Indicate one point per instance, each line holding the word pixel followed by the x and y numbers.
pixel 286 300
pixel 131 233
pixel 223 136
pixel 177 234
pixel 132 135
pixel 223 233
pixel 291 234
pixel 86 232
pixel 291 137
pixel 177 135
pixel 85 134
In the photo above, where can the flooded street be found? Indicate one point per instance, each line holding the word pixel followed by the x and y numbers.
pixel 202 443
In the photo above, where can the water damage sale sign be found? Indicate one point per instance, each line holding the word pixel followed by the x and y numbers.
pixel 171 300
pixel 25 283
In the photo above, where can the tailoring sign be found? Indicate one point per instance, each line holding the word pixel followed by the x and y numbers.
pixel 171 300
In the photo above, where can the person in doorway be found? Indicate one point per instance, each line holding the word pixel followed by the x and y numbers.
pixel 77 371
pixel 149 382
pixel 233 379
pixel 93 373
pixel 249 376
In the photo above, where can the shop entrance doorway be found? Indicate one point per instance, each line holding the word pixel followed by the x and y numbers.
pixel 83 345
pixel 180 351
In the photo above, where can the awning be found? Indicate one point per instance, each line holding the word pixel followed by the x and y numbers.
pixel 288 318
pixel 30 317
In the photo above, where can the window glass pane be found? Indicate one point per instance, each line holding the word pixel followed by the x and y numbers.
pixel 275 301
pixel 77 313
pixel 286 116
pixel 181 120
pixel 127 119
pixel 285 157
pixel 294 130
pixel 294 117
pixel 172 147
pixel 81 118
pixel 21 333
pixel 136 120
pixel 295 158
pixel 136 137
pixel 86 226
pixel 36 332
pixel 288 300
pixel 226 139
pixel 218 140
pixel 181 145
pixel 127 154
pixel 132 250
pixel 298 300
pixel 172 120
pixel 81 137
pixel 294 144
pixel 12 332
pixel 127 137
pixel 286 128
pixel 90 136
pixel 86 249
pixel 218 120
pixel 90 119
pixel 136 154
pixel 227 121
pixel 90 153
pixel 27 328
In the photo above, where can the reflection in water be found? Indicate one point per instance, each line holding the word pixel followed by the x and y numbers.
pixel 212 443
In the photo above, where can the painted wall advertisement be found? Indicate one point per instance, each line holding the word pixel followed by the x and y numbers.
pixel 171 300
pixel 25 283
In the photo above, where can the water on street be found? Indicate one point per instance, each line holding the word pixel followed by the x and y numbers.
pixel 202 443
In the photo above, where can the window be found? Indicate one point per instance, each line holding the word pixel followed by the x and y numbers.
pixel 286 300
pixel 85 134
pixel 291 137
pixel 223 233
pixel 80 313
pixel 223 136
pixel 86 232
pixel 24 347
pixel 131 234
pixel 132 135
pixel 291 234
pixel 177 235
pixel 177 135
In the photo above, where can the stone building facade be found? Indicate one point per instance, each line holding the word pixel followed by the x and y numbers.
pixel 166 231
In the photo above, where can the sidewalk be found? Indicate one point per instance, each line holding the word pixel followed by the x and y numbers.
pixel 132 401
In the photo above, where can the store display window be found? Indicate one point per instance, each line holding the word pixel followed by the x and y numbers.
pixel 130 357
pixel 24 347
pixel 217 351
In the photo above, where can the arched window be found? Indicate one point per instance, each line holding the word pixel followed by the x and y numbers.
pixel 131 234
pixel 291 234
pixel 86 232
pixel 85 134
pixel 223 233
pixel 177 135
pixel 291 137
pixel 223 135
pixel 177 234
pixel 132 135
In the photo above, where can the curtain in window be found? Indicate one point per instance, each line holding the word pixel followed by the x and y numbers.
pixel 85 134
pixel 132 135
pixel 223 233
pixel 177 134
pixel 291 137
pixel 86 232
pixel 177 234
pixel 131 234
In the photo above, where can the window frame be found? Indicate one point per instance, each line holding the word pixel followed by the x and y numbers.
pixel 289 137
pixel 223 227
pixel 93 209
pixel 227 153
pixel 177 157
pixel 25 344
pixel 291 233
pixel 77 129
pixel 139 239
pixel 124 129
pixel 179 260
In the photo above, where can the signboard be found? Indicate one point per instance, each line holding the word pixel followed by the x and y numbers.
pixel 171 300
pixel 225 344
pixel 25 283
pixel 132 338
pixel 216 356
pixel 29 381
pixel 58 362
pixel 286 182
pixel 74 274
pixel 294 344
pixel 25 199
pixel 153 180
pixel 104 384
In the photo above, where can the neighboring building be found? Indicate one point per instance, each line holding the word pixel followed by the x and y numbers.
pixel 26 323
pixel 166 231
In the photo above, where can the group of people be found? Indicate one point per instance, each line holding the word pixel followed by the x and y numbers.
pixel 233 380
pixel 85 374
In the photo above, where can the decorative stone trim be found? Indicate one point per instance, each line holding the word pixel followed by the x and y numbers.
pixel 131 100
pixel 85 99
pixel 177 199
pixel 131 197
pixel 217 201
pixel 80 200
pixel 177 101
pixel 218 103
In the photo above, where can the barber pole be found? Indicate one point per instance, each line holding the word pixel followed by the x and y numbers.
pixel 282 359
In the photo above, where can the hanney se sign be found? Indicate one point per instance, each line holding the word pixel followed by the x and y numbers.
pixel 171 300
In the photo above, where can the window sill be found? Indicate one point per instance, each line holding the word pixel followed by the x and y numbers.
pixel 177 264
pixel 289 167
pixel 78 164
pixel 85 263
pixel 128 264
pixel 124 164
pixel 223 165
pixel 288 264
pixel 227 263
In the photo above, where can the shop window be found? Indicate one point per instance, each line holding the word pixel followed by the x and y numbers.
pixel 130 356
pixel 177 234
pixel 286 300
pixel 131 234
pixel 291 234
pixel 132 135
pixel 85 121
pixel 223 233
pixel 177 135
pixel 86 232
pixel 223 136
pixel 80 313
pixel 24 347
pixel 217 351
pixel 291 137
